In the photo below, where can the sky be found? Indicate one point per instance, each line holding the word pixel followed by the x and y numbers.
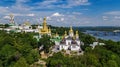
pixel 62 12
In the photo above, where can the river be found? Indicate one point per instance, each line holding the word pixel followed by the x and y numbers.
pixel 115 36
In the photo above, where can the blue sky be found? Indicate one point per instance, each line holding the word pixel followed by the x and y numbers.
pixel 62 12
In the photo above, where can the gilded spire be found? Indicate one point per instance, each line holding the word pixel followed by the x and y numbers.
pixel 63 37
pixel 44 20
pixel 56 34
pixel 71 33
pixel 44 24
pixel 65 33
pixel 77 35
pixel 71 30
pixel 49 30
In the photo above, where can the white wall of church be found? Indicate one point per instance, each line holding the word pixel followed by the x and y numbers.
pixel 68 42
pixel 65 47
pixel 75 48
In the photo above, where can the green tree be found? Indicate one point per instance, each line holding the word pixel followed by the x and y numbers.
pixel 6 25
pixel 21 63
pixel 32 56
pixel 6 54
pixel 45 41
pixel 112 63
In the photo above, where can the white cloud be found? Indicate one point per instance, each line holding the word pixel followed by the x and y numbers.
pixel 57 14
pixel 48 18
pixel 18 14
pixel 113 13
pixel 30 15
pixel 72 3
pixel 6 17
pixel 117 17
pixel 47 2
pixel 76 13
pixel 60 4
pixel 62 19
pixel 4 10
pixel 20 6
pixel 105 17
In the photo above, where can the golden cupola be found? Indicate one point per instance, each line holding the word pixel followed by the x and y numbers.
pixel 49 30
pixel 71 30
pixel 65 33
pixel 77 35
pixel 56 35
pixel 71 33
pixel 26 23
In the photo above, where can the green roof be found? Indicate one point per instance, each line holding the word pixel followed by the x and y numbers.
pixel 56 39
pixel 37 37
pixel 11 24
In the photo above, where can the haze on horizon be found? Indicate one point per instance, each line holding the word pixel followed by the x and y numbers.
pixel 62 12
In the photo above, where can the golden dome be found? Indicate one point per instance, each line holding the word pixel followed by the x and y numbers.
pixel 71 30
pixel 27 23
pixel 65 33
pixel 76 33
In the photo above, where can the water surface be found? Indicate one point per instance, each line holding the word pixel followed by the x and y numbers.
pixel 115 36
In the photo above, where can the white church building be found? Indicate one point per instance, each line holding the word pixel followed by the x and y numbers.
pixel 69 42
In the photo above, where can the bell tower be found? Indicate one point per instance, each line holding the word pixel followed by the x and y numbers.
pixel 44 24
pixel 45 29
pixel 12 22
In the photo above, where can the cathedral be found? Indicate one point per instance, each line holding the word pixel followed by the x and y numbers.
pixel 69 41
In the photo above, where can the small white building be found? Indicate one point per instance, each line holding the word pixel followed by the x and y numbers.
pixel 95 44
pixel 7 29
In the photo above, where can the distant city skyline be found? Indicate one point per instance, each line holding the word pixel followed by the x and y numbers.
pixel 62 12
